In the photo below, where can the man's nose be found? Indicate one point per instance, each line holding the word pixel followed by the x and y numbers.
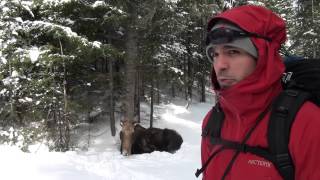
pixel 220 63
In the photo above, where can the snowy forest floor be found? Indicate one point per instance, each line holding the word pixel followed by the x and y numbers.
pixel 103 161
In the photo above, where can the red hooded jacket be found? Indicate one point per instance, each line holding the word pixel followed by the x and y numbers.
pixel 243 102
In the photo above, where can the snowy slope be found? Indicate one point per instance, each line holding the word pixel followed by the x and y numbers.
pixel 103 160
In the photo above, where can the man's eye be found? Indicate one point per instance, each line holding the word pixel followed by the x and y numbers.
pixel 213 54
pixel 233 51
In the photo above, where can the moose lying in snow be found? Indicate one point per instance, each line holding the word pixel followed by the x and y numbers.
pixel 136 139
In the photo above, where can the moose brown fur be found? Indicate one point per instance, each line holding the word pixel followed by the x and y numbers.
pixel 136 139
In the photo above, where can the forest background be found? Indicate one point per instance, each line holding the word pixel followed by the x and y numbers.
pixel 65 64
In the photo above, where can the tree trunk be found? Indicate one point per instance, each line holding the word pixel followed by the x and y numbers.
pixel 158 90
pixel 190 76
pixel 202 66
pixel 142 89
pixel 137 96
pixel 111 86
pixel 132 53
pixel 185 77
pixel 313 24
pixel 132 49
pixel 65 125
pixel 151 103
pixel 173 92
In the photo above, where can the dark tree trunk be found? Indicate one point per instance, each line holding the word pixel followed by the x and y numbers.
pixel 137 99
pixel 190 77
pixel 202 82
pixel 111 101
pixel 132 53
pixel 151 103
pixel 158 90
pixel 185 77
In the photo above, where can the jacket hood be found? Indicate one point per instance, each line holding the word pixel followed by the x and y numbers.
pixel 264 83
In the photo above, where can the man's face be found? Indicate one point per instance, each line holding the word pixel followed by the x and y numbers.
pixel 231 65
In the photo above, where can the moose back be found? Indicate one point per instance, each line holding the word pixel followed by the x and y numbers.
pixel 136 139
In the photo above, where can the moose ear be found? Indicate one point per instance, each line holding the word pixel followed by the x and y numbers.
pixel 135 123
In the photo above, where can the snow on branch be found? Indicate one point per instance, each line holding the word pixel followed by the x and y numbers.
pixel 26 6
pixel 42 27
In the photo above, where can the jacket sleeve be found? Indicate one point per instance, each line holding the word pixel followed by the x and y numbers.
pixel 304 142
pixel 205 151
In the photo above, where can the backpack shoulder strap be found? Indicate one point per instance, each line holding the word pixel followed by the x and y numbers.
pixel 283 113
pixel 215 122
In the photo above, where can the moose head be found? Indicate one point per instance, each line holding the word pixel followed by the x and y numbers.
pixel 127 136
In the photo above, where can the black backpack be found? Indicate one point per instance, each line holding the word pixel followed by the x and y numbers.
pixel 301 83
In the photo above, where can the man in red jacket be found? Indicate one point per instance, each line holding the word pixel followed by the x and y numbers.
pixel 243 46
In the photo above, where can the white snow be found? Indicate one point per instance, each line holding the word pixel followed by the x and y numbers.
pixel 197 55
pixel 310 32
pixel 96 44
pixel 26 99
pixel 176 47
pixel 11 80
pixel 26 5
pixel 19 19
pixel 55 2
pixel 3 91
pixel 34 54
pixel 3 60
pixel 176 70
pixel 117 9
pixel 15 73
pixel 103 161
pixel 47 25
pixel 98 3
pixel 174 1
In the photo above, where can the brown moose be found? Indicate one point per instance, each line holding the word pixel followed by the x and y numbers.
pixel 136 139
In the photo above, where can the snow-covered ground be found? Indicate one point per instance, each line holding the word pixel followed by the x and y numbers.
pixel 103 161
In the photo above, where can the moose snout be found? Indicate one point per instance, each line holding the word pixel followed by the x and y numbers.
pixel 125 153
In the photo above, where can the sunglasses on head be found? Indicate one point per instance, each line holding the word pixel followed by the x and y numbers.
pixel 226 35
